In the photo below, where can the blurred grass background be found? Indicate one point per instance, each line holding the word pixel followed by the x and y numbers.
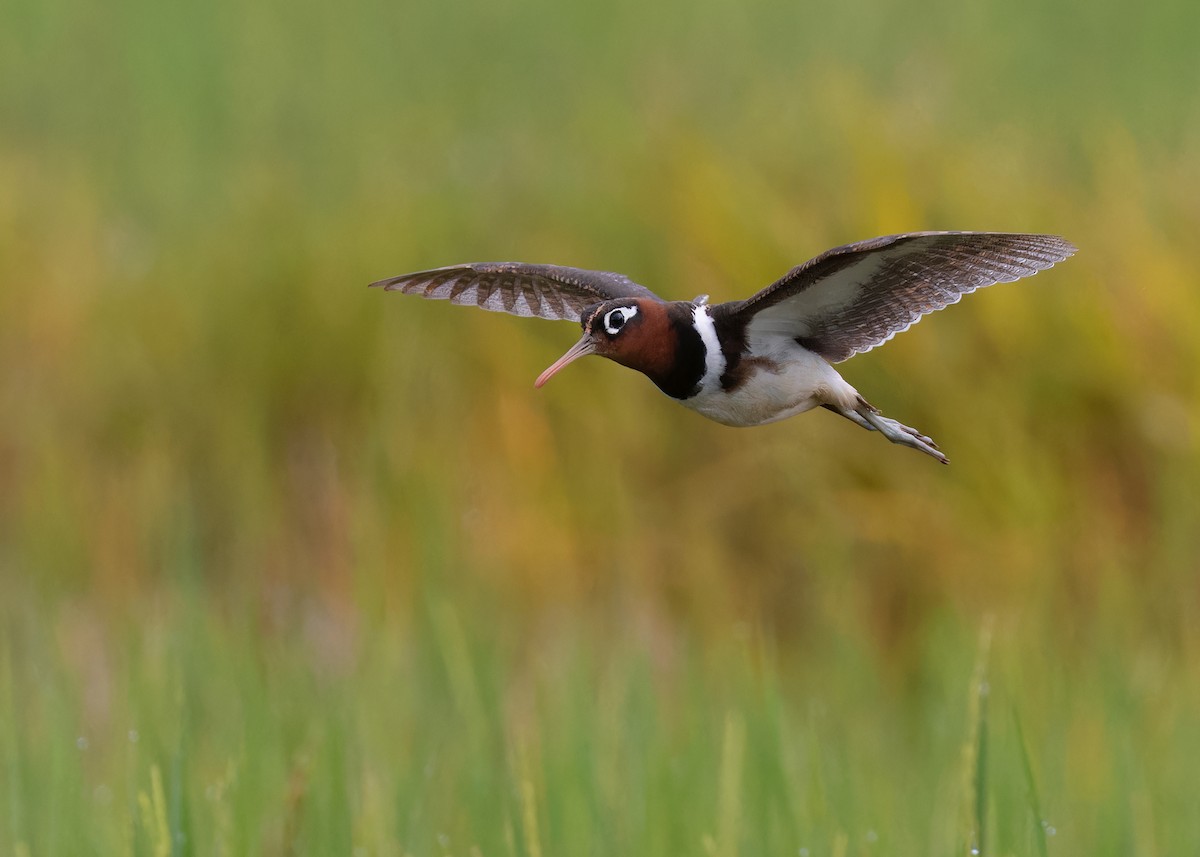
pixel 288 566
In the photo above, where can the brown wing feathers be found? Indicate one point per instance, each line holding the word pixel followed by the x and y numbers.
pixel 844 302
pixel 541 291
pixel 853 298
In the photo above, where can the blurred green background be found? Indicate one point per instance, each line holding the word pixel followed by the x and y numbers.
pixel 288 566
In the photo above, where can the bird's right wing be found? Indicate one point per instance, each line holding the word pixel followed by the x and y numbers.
pixel 541 291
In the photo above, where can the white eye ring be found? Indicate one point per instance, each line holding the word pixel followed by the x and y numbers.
pixel 615 319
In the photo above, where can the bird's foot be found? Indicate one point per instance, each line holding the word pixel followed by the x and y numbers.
pixel 904 435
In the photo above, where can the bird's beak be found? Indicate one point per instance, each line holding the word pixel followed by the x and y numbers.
pixel 582 348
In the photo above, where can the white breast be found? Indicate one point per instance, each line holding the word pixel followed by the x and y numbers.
pixel 803 381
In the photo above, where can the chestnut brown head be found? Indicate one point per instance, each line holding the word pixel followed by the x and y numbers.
pixel 635 332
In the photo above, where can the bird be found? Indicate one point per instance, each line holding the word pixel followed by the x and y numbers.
pixel 772 355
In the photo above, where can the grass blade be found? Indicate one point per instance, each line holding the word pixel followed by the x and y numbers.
pixel 1031 792
pixel 974 771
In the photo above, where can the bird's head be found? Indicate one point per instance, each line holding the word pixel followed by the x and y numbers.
pixel 635 332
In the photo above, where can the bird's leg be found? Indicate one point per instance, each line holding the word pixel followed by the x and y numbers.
pixel 868 416
pixel 853 416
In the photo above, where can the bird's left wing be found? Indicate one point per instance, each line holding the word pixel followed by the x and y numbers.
pixel 541 291
pixel 850 299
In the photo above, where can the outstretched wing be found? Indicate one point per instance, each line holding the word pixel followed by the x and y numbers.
pixel 850 299
pixel 542 291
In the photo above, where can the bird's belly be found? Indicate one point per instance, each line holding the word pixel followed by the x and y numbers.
pixel 775 390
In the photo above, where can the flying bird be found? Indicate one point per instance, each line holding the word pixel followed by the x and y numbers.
pixel 770 356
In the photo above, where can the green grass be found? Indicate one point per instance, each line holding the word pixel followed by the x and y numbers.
pixel 210 734
pixel 290 566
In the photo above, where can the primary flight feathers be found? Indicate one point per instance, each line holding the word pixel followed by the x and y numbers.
pixel 850 299
pixel 541 291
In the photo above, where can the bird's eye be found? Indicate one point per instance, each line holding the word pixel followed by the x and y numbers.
pixel 615 319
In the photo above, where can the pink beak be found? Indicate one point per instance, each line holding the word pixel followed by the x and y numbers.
pixel 582 348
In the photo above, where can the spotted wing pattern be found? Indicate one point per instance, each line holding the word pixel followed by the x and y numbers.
pixel 541 291
pixel 850 299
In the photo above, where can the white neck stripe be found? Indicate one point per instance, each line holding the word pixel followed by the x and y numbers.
pixel 714 358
